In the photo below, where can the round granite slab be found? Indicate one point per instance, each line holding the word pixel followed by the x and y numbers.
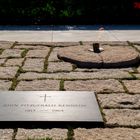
pixel 111 57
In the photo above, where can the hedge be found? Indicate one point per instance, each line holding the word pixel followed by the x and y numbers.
pixel 58 10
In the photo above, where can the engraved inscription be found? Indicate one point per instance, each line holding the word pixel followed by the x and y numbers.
pixel 44 107
pixel 45 97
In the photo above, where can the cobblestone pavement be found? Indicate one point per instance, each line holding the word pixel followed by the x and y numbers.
pixel 35 66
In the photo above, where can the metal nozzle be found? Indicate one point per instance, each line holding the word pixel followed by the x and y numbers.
pixel 96 47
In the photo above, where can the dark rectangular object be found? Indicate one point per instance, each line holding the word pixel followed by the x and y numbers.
pixel 49 108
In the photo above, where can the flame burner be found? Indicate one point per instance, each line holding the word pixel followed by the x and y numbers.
pixel 96 47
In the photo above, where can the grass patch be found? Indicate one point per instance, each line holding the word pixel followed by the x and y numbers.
pixel 74 67
pixel 124 87
pixel 81 43
pixel 62 85
pixel 135 70
pixel 100 108
pixel 23 54
pixel 47 138
pixel 126 78
pixel 12 57
pixel 46 60
pixel 132 45
pixel 70 134
pixel 21 70
pixel 14 133
pixel 3 63
pixel 133 76
pixel 1 50
pixel 14 84
pixel 14 80
pixel 122 126
pixel 14 44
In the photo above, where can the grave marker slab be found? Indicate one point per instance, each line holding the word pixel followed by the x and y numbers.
pixel 49 107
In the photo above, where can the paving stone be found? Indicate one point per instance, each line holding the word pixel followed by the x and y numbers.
pixel 116 56
pixel 115 43
pixel 6 44
pixel 136 42
pixel 65 44
pixel 55 44
pixel 33 64
pixel 14 62
pixel 122 117
pixel 110 85
pixel 133 86
pixel 138 69
pixel 128 69
pixel 137 75
pixel 105 74
pixel 86 70
pixel 81 56
pixel 87 42
pixel 34 43
pixel 5 84
pixel 59 66
pixel 95 69
pixel 55 134
pixel 107 134
pixel 137 46
pixel 6 134
pixel 30 46
pixel 53 56
pixel 103 43
pixel 11 53
pixel 38 53
pixel 119 100
pixel 2 61
pixel 8 72
pixel 38 85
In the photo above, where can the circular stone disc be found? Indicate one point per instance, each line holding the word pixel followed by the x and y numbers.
pixel 112 56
